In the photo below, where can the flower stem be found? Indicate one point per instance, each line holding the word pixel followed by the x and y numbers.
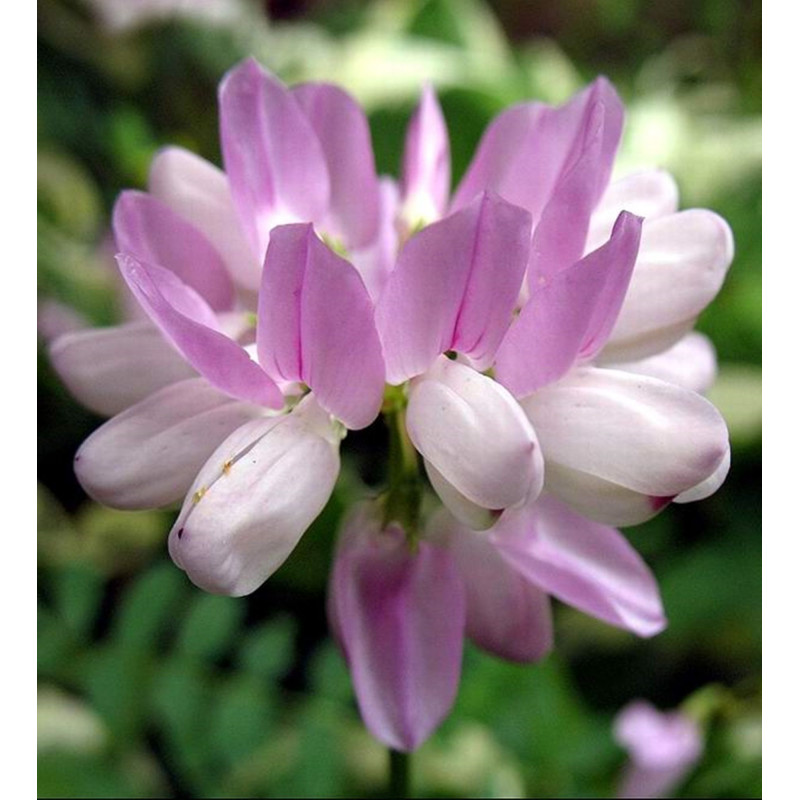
pixel 399 774
pixel 403 499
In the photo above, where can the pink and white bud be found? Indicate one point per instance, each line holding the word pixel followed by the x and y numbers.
pixel 255 497
pixel 399 618
pixel 476 437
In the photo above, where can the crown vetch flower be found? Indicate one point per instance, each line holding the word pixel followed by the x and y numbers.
pixel 534 330
pixel 663 747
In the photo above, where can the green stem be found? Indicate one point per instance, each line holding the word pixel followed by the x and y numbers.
pixel 403 499
pixel 399 774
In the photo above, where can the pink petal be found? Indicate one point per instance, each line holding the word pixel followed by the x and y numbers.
pixel 273 158
pixel 180 315
pixel 109 369
pixel 569 316
pixel 475 434
pixel 149 230
pixel 640 433
pixel 528 148
pixel 148 456
pixel 400 618
pixel 315 324
pixel 343 132
pixel 559 238
pixel 254 498
pixel 426 162
pixel 199 192
pixel 682 263
pixel 454 288
pixel 582 563
pixel 649 194
pixel 506 614
pixel 691 362
pixel 376 261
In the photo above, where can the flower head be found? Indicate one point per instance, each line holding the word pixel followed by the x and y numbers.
pixel 534 331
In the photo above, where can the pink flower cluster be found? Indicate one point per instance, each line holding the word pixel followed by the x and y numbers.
pixel 538 324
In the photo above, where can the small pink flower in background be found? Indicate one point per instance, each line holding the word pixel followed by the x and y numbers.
pixel 534 330
pixel 663 748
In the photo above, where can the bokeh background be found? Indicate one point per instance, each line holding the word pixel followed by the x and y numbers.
pixel 150 688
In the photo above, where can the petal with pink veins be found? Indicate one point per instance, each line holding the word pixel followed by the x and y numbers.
pixel 528 148
pixel 586 565
pixel 425 183
pixel 148 229
pixel 569 316
pixel 190 324
pixel 507 615
pixel 199 192
pixel 376 260
pixel 316 325
pixel 454 288
pixel 400 621
pixel 343 132
pixel 273 157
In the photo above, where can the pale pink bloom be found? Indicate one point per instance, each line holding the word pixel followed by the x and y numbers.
pixel 663 748
pixel 550 395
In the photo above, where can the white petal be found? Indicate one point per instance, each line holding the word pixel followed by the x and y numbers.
pixel 475 517
pixel 475 434
pixel 710 485
pixel 199 192
pixel 600 500
pixel 640 433
pixel 148 456
pixel 683 259
pixel 649 194
pixel 254 499
pixel 109 369
pixel 690 362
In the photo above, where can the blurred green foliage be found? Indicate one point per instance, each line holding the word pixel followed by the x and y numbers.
pixel 149 688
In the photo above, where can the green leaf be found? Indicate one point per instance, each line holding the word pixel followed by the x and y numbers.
pixel 210 626
pixel 268 650
pixel 78 591
pixel 148 609
pixel 243 716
